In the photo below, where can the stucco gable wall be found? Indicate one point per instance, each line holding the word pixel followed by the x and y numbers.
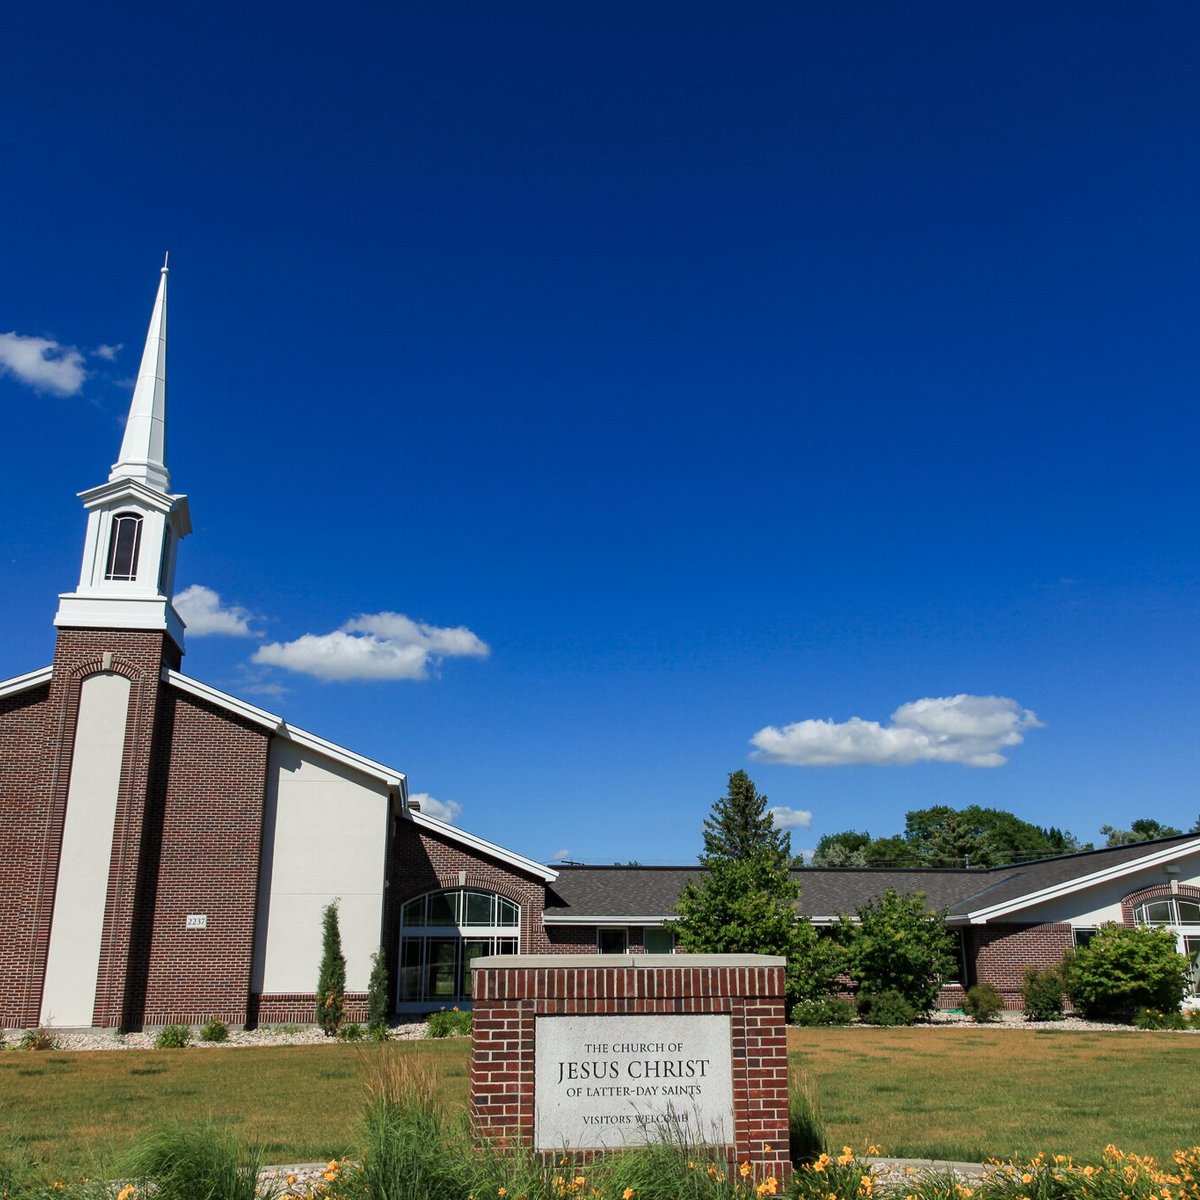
pixel 324 838
pixel 1102 902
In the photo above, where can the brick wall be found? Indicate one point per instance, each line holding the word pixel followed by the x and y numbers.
pixel 509 1000
pixel 1001 954
pixel 204 843
pixel 40 799
pixel 421 861
pixel 23 720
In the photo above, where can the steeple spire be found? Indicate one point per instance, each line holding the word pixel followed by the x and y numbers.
pixel 135 523
pixel 144 447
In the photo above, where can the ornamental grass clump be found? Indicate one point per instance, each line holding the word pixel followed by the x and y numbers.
pixel 41 1038
pixel 806 1131
pixel 173 1037
pixel 410 1147
pixel 192 1162
pixel 214 1031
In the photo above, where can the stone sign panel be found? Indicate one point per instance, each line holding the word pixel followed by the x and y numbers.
pixel 609 1081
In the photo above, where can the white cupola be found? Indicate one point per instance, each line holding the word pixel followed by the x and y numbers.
pixel 134 525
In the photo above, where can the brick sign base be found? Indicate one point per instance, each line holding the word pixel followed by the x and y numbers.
pixel 512 995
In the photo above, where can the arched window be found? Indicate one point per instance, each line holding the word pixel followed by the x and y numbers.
pixel 1183 916
pixel 124 543
pixel 442 933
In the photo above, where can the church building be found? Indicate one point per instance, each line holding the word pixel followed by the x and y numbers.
pixel 167 849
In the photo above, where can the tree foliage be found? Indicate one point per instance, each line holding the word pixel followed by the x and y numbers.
pixel 942 836
pixel 740 825
pixel 845 849
pixel 377 998
pixel 1145 829
pixel 746 901
pixel 331 983
pixel 1125 968
pixel 897 946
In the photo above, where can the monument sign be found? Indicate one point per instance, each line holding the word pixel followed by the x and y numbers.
pixel 584 1054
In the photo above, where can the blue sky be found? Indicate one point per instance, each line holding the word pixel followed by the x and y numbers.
pixel 683 374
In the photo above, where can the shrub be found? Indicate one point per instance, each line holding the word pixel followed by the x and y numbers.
pixel 1125 968
pixel 214 1031
pixel 447 1022
pixel 1042 993
pixel 351 1031
pixel 184 1162
pixel 173 1037
pixel 40 1038
pixel 896 946
pixel 823 1010
pixel 982 1003
pixel 377 998
pixel 886 1008
pixel 331 983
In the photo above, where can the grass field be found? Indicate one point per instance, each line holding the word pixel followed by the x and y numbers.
pixel 960 1093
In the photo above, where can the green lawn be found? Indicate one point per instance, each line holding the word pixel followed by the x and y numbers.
pixel 969 1093
pixel 958 1093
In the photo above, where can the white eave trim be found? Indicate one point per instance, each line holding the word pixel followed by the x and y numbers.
pixel 1129 867
pixel 203 691
pixel 422 821
pixel 389 775
pixel 277 725
pixel 585 919
pixel 23 683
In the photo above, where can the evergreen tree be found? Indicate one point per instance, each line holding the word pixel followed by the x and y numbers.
pixel 377 998
pixel 331 984
pixel 740 825
pixel 746 901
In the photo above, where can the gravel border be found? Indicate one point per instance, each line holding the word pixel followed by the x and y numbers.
pixel 267 1035
pixel 311 1035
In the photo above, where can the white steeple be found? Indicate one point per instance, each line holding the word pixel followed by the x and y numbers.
pixel 134 522
pixel 144 448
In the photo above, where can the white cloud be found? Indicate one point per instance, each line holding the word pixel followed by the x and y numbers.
pixel 790 818
pixel 561 856
pixel 383 645
pixel 42 363
pixel 204 614
pixel 107 352
pixel 441 810
pixel 962 729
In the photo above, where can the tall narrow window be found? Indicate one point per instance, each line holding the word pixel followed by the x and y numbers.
pixel 123 546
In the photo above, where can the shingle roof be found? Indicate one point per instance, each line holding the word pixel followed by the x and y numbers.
pixel 824 891
pixel 1010 883
pixel 614 892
